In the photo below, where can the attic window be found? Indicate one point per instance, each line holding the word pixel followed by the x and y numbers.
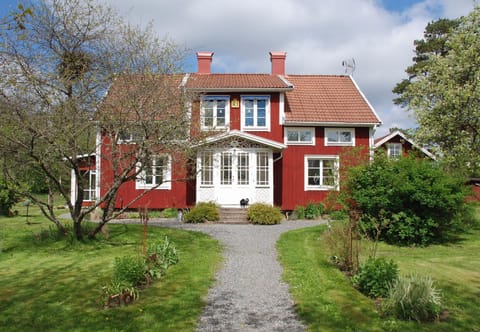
pixel 339 137
pixel 394 150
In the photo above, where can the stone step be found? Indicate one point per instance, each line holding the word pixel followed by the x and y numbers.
pixel 233 216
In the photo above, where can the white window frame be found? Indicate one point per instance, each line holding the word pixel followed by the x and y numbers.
pixel 166 176
pixel 321 186
pixel 339 132
pixel 310 130
pixel 90 192
pixel 204 169
pixel 255 127
pixel 227 112
pixel 393 146
pixel 262 169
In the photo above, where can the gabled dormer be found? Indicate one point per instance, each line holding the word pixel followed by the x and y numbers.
pixel 245 102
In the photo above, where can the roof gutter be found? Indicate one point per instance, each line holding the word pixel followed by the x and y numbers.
pixel 239 89
pixel 330 124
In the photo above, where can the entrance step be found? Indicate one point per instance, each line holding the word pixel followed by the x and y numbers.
pixel 233 216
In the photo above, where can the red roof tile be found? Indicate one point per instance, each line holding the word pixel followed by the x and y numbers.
pixel 327 99
pixel 247 82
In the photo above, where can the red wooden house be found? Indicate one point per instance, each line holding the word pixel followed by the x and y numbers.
pixel 280 141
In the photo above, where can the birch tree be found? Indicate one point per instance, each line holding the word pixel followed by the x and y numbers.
pixel 58 59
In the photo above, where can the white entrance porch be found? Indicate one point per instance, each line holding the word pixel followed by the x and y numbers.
pixel 236 166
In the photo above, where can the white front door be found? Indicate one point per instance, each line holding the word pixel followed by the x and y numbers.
pixel 227 176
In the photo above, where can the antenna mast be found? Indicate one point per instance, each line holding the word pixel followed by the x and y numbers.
pixel 349 66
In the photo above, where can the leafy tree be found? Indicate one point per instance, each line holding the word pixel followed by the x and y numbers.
pixel 432 44
pixel 58 59
pixel 445 100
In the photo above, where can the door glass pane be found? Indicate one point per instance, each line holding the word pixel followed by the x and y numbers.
pixel 262 169
pixel 226 168
pixel 242 168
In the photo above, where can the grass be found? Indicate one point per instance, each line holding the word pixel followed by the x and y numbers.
pixel 48 284
pixel 326 300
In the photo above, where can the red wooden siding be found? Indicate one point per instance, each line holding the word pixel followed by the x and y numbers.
pixel 293 167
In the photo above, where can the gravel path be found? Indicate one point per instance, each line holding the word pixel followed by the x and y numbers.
pixel 249 294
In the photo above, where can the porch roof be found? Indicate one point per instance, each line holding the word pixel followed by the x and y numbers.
pixel 236 134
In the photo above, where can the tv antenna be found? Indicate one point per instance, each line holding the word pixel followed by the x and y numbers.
pixel 349 66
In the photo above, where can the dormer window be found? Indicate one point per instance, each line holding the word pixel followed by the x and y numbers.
pixel 215 112
pixel 255 113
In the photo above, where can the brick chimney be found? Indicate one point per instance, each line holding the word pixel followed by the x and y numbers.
pixel 278 62
pixel 204 60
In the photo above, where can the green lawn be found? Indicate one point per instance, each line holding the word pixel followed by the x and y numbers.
pixel 327 302
pixel 52 285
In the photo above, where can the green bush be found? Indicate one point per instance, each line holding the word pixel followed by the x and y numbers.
pixel 313 211
pixel 413 298
pixel 264 214
pixel 202 212
pixel 375 276
pixel 421 202
pixel 170 213
pixel 8 198
pixel 299 212
pixel 129 270
pixel 338 215
pixel 162 254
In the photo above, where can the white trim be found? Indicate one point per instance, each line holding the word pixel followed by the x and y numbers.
pixel 310 129
pixel 236 133
pixel 339 130
pixel 255 116
pixel 281 109
pixel 98 162
pixel 336 160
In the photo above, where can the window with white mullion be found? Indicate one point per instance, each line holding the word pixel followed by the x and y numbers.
pixel 339 136
pixel 156 173
pixel 215 112
pixel 299 136
pixel 321 172
pixel 263 176
pixel 255 113
pixel 394 150
pixel 206 164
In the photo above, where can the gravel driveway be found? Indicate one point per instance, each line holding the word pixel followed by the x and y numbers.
pixel 249 294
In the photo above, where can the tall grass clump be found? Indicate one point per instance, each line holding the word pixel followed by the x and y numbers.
pixel 413 298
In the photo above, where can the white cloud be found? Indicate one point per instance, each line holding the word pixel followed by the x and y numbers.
pixel 317 35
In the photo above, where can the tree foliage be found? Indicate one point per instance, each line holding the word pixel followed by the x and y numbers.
pixel 432 44
pixel 445 95
pixel 58 59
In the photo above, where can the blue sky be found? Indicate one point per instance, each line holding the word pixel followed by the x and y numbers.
pixel 317 36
